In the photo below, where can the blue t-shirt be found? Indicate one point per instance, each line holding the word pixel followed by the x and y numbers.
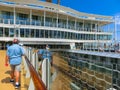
pixel 15 53
pixel 45 54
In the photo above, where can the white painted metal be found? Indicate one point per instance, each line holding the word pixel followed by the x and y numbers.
pixel 46 74
pixel 31 85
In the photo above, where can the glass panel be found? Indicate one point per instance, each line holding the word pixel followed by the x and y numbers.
pixel 17 33
pixel 50 32
pixel 37 33
pixel 1 32
pixel 7 15
pixel 21 16
pixel 6 32
pixel 32 32
pixel 46 33
pixel 55 34
pixel 11 33
pixel 27 33
pixel 42 33
pixel 22 33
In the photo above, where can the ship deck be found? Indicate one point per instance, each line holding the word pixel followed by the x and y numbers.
pixel 4 74
pixel 5 77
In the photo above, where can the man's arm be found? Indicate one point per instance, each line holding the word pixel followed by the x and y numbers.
pixel 6 60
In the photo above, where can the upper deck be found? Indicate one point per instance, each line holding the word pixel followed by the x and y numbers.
pixel 39 5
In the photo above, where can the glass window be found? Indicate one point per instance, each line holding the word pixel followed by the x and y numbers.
pixel 62 35
pixel 109 72
pixel 58 34
pixel 54 22
pixel 21 16
pixel 55 34
pixel 11 33
pixel 48 21
pixel 32 33
pixel 34 17
pixel 37 33
pixel 7 15
pixel 1 32
pixel 27 33
pixel 42 21
pixel 93 67
pixel 115 74
pixel 6 32
pixel 17 32
pixel 42 33
pixel 46 33
pixel 22 33
pixel 118 67
pixel 50 33
pixel 66 35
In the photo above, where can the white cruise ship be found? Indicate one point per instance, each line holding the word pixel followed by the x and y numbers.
pixel 70 34
pixel 36 23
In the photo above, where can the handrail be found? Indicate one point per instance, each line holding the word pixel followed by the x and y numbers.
pixel 38 83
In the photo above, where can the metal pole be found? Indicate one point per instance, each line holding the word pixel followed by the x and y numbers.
pixel 115 30
pixel 14 21
pixel 44 17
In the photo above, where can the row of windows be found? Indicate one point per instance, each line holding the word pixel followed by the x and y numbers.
pixel 96 66
pixel 85 62
pixel 24 19
pixel 36 33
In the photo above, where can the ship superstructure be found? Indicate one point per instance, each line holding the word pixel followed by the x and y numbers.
pixel 36 23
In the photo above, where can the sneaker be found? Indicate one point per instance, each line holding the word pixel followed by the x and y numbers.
pixel 17 86
pixel 11 80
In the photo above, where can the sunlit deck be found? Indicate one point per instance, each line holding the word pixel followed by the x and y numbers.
pixel 5 77
pixel 4 74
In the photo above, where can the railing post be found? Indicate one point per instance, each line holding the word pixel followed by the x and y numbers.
pixel 46 73
pixel 35 83
pixel 28 73
pixel 33 59
pixel 31 85
pixel 36 62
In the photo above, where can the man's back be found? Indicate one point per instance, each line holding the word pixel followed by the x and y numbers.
pixel 15 52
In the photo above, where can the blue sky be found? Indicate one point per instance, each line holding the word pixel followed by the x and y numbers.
pixel 102 7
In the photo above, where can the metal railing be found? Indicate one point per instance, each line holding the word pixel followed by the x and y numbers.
pixel 81 73
pixel 31 68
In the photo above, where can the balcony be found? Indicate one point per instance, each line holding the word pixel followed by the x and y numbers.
pixel 64 76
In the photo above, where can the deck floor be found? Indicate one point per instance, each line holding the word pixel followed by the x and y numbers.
pixel 5 74
pixel 57 84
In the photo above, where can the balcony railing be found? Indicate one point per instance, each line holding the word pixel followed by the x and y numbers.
pixel 31 68
pixel 53 24
pixel 74 71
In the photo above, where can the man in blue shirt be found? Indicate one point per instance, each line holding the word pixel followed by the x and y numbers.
pixel 14 56
pixel 45 53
